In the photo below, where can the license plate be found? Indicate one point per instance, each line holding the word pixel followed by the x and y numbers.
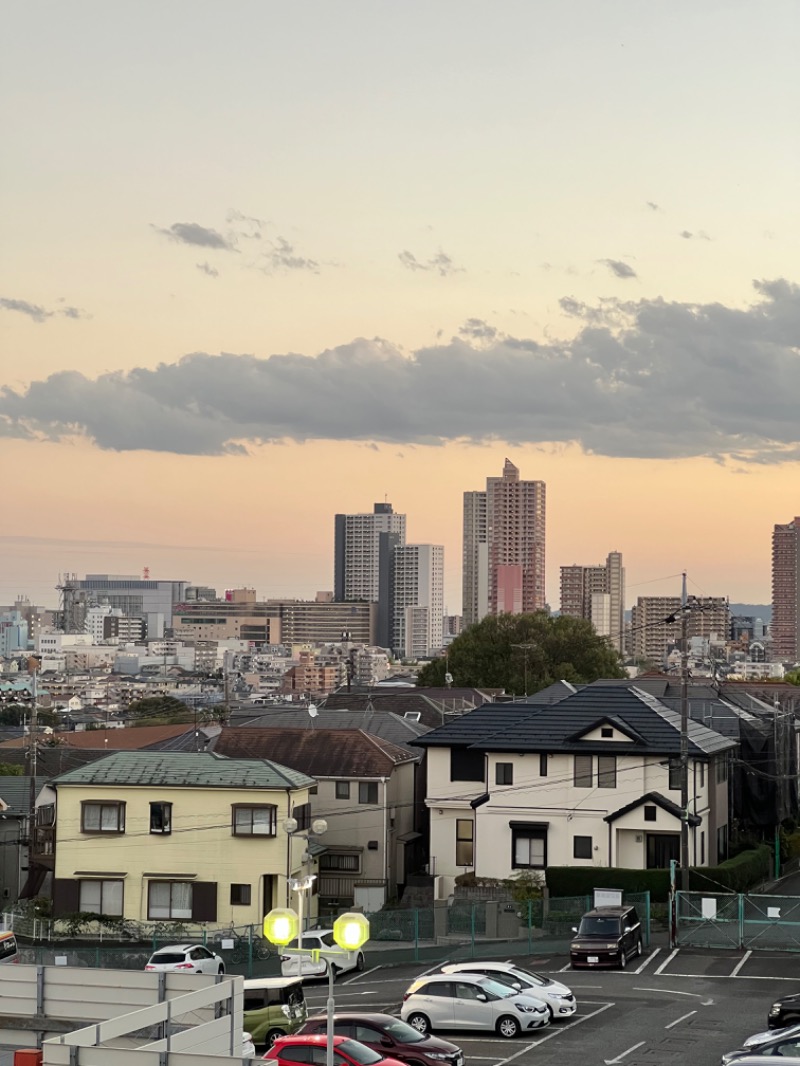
pixel 593 958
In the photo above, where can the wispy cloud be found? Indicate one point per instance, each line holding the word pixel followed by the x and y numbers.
pixel 37 313
pixel 440 263
pixel 641 378
pixel 619 268
pixel 196 235
pixel 207 268
pixel 281 255
pixel 653 206
pixel 700 235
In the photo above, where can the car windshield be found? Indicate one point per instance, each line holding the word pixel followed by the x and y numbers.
pixel 534 978
pixel 163 958
pixel 404 1034
pixel 360 1053
pixel 495 988
pixel 599 927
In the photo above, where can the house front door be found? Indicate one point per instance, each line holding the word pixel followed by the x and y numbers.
pixel 661 848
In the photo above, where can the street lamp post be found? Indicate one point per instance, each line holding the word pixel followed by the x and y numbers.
pixel 350 932
pixel 525 648
pixel 290 826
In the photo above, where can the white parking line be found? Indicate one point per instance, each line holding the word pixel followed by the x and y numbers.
pixel 682 1018
pixel 624 1055
pixel 667 961
pixel 364 973
pixel 564 968
pixel 648 960
pixel 671 991
pixel 727 977
pixel 741 963
pixel 565 1028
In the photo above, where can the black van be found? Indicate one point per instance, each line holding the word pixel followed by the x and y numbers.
pixel 607 936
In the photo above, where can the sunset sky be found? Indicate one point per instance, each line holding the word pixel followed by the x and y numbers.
pixel 266 261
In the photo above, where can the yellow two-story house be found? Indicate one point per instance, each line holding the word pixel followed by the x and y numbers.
pixel 184 837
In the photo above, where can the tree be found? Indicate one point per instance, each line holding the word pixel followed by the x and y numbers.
pixel 9 769
pixel 553 649
pixel 159 710
pixel 792 678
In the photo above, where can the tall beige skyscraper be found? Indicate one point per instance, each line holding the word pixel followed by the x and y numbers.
pixel 598 594
pixel 650 636
pixel 785 626
pixel 504 547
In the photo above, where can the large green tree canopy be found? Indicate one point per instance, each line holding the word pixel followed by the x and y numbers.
pixel 525 653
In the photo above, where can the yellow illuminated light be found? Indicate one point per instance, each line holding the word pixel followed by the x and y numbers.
pixel 350 931
pixel 281 926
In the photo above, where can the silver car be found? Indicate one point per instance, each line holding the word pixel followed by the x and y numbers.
pixel 559 999
pixel 784 1043
pixel 468 1001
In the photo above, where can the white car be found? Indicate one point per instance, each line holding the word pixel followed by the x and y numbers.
pixel 185 958
pixel 467 1001
pixel 305 966
pixel 248 1047
pixel 559 999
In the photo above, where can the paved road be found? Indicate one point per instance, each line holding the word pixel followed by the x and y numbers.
pixel 668 1009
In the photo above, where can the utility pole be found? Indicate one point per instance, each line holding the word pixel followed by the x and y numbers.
pixel 684 738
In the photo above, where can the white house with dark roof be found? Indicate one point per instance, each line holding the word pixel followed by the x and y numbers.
pixel 593 780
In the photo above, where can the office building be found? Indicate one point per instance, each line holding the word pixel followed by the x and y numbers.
pixel 507 523
pixel 785 626
pixel 154 601
pixel 597 593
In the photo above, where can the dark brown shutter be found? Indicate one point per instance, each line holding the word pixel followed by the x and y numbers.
pixel 66 896
pixel 204 901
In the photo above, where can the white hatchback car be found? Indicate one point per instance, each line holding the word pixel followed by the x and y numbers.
pixel 305 966
pixel 559 999
pixel 185 958
pixel 468 1001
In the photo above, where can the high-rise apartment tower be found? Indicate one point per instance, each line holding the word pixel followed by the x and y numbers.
pixel 785 627
pixel 504 547
pixel 598 594
pixel 357 551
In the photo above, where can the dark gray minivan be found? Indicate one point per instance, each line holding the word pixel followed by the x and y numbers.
pixel 607 936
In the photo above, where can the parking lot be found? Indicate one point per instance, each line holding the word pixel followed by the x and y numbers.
pixel 670 1008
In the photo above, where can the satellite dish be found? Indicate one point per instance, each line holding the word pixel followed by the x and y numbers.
pixel 312 710
pixel 448 679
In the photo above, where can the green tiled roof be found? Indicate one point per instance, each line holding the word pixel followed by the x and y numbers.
pixel 194 769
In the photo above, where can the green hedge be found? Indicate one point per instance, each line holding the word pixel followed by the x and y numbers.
pixel 742 872
pixel 739 874
pixel 580 880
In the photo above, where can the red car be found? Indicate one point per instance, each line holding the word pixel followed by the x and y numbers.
pixel 289 1050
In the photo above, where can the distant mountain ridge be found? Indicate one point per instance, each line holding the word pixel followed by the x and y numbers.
pixel 756 610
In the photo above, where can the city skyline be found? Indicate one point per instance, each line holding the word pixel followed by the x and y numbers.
pixel 262 268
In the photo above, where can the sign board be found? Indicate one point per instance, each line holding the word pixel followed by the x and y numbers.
pixel 773 912
pixel 608 897
pixel 228 945
pixel 61 960
pixel 708 907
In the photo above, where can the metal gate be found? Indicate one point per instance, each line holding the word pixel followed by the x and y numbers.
pixel 771 922
pixel 708 920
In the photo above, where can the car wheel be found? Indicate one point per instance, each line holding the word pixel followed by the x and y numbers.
pixel 273 1035
pixel 360 962
pixel 221 968
pixel 551 1012
pixel 420 1022
pixel 638 947
pixel 623 960
pixel 508 1027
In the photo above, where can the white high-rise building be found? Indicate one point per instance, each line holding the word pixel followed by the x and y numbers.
pixel 475 561
pixel 357 560
pixel 417 599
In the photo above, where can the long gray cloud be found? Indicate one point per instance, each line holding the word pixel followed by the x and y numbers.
pixel 643 378
pixel 36 312
pixel 196 235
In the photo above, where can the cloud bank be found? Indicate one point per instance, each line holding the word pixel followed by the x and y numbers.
pixel 36 312
pixel 643 378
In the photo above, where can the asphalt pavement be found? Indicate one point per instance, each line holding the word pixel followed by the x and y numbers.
pixel 669 1008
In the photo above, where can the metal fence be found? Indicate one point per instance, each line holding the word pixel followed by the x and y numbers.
pixel 727 920
pixel 451 930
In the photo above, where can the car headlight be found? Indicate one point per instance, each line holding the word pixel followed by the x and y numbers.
pixel 775 1008
pixel 437 1055
pixel 529 1008
pixel 560 995
pixel 574 947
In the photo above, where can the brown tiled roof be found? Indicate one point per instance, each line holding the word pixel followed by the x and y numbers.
pixel 134 738
pixel 317 752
